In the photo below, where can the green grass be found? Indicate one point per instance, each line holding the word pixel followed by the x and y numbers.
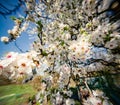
pixel 16 94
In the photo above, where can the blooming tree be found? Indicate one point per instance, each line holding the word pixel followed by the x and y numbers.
pixel 78 47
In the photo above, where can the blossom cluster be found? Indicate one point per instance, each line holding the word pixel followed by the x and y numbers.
pixel 14 65
pixel 16 31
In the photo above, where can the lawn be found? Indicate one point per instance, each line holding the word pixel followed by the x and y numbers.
pixel 15 94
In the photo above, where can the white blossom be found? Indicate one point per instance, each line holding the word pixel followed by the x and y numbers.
pixel 5 39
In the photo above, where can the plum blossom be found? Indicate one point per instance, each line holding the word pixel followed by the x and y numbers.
pixel 97 93
pixel 24 27
pixel 93 101
pixel 112 44
pixel 59 98
pixel 13 65
pixel 70 102
pixel 5 39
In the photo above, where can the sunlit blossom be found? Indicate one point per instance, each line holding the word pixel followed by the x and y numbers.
pixel 112 44
pixel 5 39
pixel 70 102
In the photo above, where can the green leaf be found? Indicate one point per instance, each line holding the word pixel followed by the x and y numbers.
pixel 35 42
pixel 40 26
pixel 38 35
pixel 107 38
pixel 44 53
pixel 39 23
pixel 38 103
pixel 62 43
pixel 82 29
pixel 77 102
pixel 66 28
pixel 21 19
pixel 13 17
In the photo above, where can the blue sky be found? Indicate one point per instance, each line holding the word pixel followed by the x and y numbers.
pixel 5 24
